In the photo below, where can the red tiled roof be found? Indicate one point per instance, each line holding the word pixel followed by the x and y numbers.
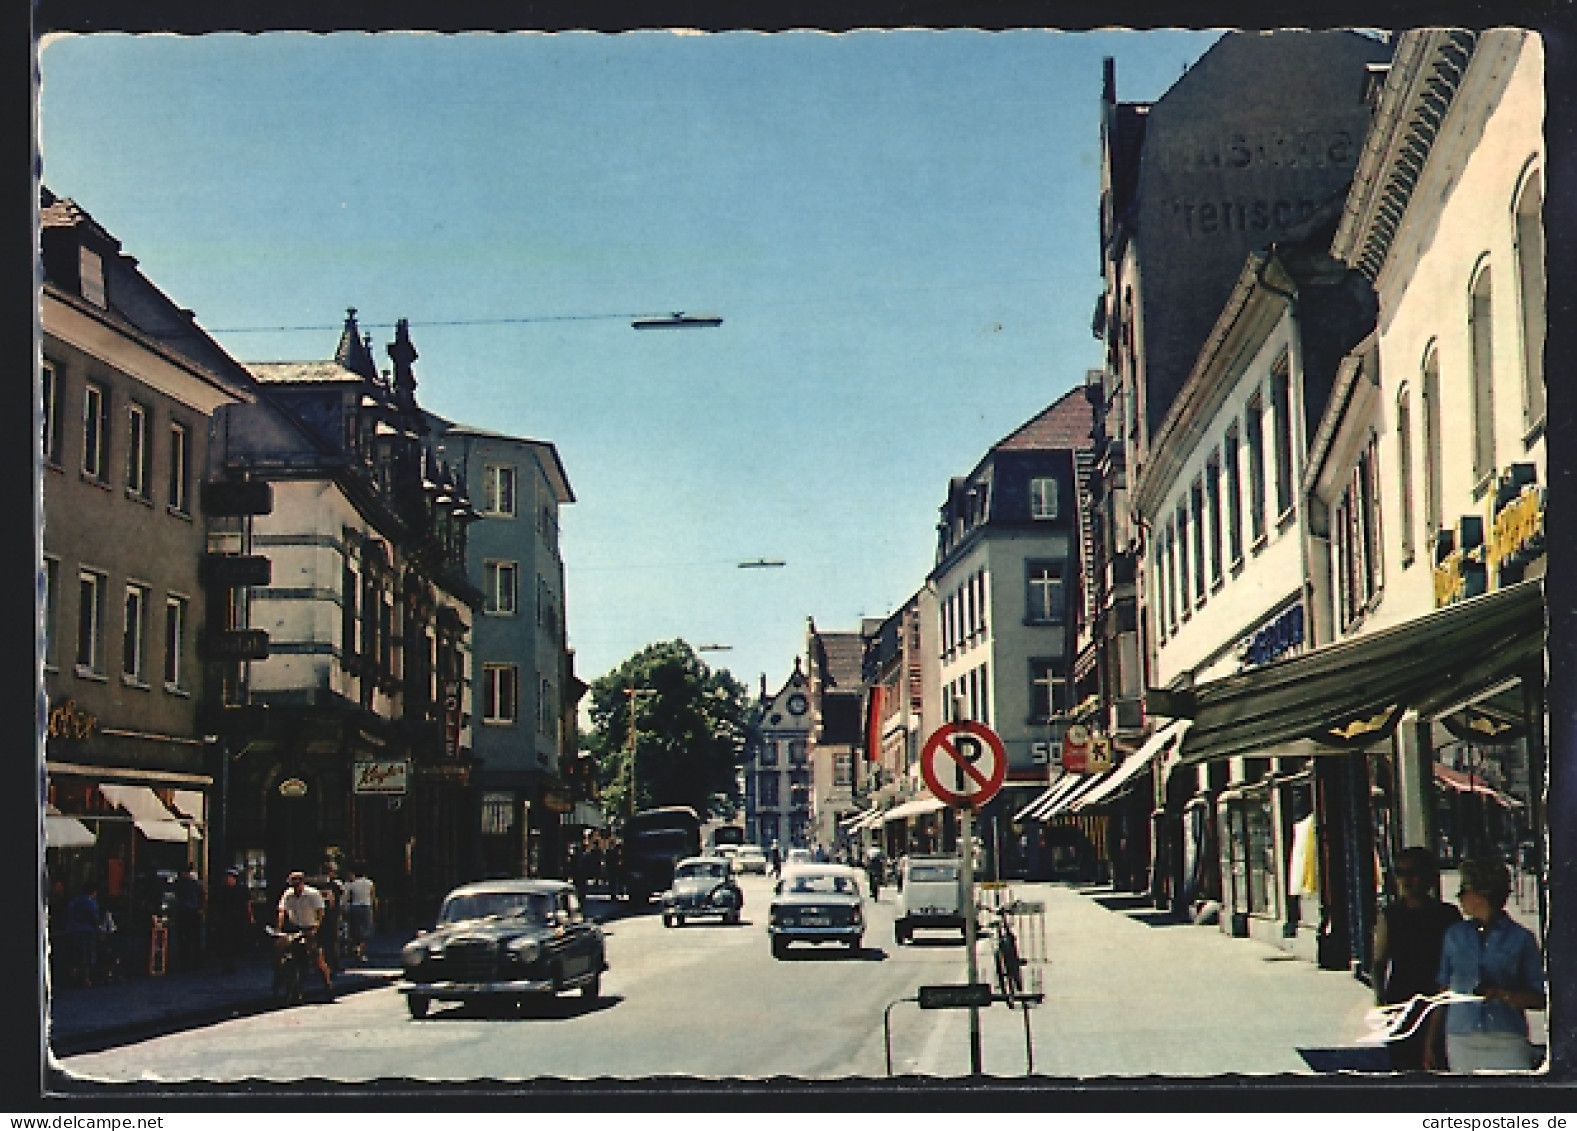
pixel 1066 424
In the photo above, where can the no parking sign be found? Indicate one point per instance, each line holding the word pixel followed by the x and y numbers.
pixel 964 763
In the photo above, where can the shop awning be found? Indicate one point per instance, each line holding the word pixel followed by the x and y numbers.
pixel 1085 783
pixel 1350 695
pixel 1054 792
pixel 188 803
pixel 857 821
pixel 65 832
pixel 871 820
pixel 1119 779
pixel 1469 783
pixel 148 813
pixel 925 804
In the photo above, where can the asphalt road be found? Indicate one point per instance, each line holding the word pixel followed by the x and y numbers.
pixel 704 1000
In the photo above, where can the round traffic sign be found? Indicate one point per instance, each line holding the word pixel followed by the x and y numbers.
pixel 964 763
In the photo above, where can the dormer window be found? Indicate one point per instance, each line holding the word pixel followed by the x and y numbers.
pixel 90 273
pixel 1042 498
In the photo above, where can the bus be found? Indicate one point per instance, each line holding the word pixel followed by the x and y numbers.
pixel 654 839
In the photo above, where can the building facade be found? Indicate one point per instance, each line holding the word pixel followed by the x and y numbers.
pixel 836 743
pixel 125 422
pixel 348 735
pixel 1009 586
pixel 520 648
pixel 776 765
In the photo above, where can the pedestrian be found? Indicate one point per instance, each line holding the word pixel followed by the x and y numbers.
pixel 301 908
pixel 230 915
pixel 1407 941
pixel 189 904
pixel 775 860
pixel 83 929
pixel 333 920
pixel 361 898
pixel 1496 960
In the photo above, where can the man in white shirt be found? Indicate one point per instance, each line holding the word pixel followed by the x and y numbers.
pixel 360 898
pixel 301 908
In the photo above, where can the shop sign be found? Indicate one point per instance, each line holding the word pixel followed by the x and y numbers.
pixel 236 645
pixel 1459 562
pixel 557 801
pixel 1075 748
pixel 458 773
pixel 1517 535
pixel 70 721
pixel 1099 759
pixel 236 499
pixel 389 778
pixel 1274 640
pixel 451 718
pixel 292 787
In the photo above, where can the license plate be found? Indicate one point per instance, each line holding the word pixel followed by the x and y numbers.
pixel 816 921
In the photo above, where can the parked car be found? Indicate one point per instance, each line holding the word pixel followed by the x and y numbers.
pixel 799 856
pixel 703 885
pixel 930 895
pixel 817 903
pixel 504 939
pixel 750 858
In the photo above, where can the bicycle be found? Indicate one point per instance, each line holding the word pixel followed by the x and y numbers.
pixel 1007 958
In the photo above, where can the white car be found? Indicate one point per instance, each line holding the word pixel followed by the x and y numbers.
pixel 750 858
pixel 930 894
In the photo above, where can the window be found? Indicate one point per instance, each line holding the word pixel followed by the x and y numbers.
pixel 1356 533
pixel 500 693
pixel 51 416
pixel 1530 276
pixel 90 623
pixel 1281 411
pixel 768 791
pixel 1213 499
pixel 1159 573
pixel 180 465
pixel 1185 606
pixel 1254 422
pixel 134 638
pixel 139 457
pixel 1042 498
pixel 51 611
pixel 1483 378
pixel 769 753
pixel 796 752
pixel 1047 693
pixel 174 633
pixel 1196 506
pixel 498 490
pixel 90 275
pixel 1433 508
pixel 1045 598
pixel 1170 580
pixel 547 716
pixel 94 406
pixel 1232 493
pixel 1404 470
pixel 499 588
pixel 842 770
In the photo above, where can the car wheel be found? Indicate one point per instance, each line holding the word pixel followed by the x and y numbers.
pixel 731 919
pixel 678 920
pixel 779 947
pixel 417 1004
pixel 857 944
pixel 668 920
pixel 901 933
pixel 592 990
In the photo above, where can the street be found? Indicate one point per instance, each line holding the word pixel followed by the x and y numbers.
pixel 1125 996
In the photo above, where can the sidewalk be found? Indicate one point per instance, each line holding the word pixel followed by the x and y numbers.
pixel 136 1008
pixel 1131 992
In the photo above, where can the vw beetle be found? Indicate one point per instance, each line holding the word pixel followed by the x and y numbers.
pixel 703 885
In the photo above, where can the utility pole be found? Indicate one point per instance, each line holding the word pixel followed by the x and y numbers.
pixel 966 836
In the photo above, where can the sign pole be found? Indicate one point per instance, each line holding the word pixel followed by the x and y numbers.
pixel 966 834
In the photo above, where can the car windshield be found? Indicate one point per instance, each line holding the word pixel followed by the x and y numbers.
pixel 532 905
pixel 822 883
pixel 664 840
pixel 702 870
pixel 933 873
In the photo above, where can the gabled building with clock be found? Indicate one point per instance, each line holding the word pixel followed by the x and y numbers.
pixel 777 766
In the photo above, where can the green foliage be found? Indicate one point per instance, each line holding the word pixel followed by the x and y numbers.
pixel 689 727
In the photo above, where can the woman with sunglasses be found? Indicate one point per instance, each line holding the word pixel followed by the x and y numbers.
pixel 1407 941
pixel 1496 960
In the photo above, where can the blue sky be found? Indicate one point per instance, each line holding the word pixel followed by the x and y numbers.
pixel 898 228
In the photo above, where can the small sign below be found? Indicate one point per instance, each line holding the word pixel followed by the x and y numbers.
pixel 960 996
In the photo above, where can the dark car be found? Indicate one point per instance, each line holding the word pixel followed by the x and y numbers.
pixel 504 940
pixel 817 903
pixel 703 885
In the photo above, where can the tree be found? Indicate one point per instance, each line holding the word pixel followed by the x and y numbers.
pixel 689 727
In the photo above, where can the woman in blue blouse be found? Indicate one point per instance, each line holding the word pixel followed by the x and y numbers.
pixel 1491 957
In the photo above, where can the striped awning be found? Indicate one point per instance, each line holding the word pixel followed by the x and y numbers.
pixel 924 804
pixel 148 813
pixel 1119 779
pixel 1054 793
pixel 1083 785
